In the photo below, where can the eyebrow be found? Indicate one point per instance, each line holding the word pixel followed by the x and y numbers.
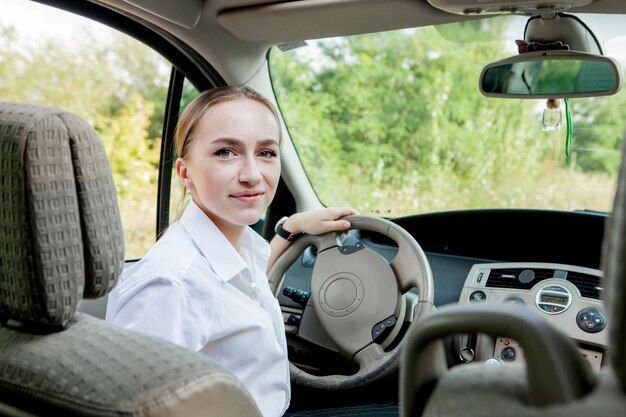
pixel 235 142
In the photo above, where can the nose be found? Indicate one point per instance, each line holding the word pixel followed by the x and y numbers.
pixel 250 173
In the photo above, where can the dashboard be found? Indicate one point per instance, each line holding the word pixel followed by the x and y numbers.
pixel 547 261
pixel 567 296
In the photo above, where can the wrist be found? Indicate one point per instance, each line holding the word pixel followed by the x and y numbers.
pixel 286 229
pixel 293 224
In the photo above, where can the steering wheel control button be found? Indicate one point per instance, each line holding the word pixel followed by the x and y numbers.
pixel 348 250
pixel 553 299
pixel 296 295
pixel 508 354
pixel 477 297
pixel 381 330
pixel 341 294
pixel 591 320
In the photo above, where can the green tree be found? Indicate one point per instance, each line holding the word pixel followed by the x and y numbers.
pixel 387 116
pixel 120 87
pixel 598 133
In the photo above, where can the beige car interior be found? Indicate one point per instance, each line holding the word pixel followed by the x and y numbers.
pixel 59 205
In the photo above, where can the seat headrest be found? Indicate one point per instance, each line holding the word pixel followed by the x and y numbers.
pixel 614 284
pixel 60 227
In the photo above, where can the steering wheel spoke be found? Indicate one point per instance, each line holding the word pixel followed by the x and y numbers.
pixel 370 354
pixel 326 241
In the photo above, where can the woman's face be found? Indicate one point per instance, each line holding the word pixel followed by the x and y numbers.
pixel 232 166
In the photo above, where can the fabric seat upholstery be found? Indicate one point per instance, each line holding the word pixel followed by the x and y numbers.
pixel 61 240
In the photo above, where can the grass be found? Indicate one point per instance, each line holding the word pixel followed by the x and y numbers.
pixel 550 186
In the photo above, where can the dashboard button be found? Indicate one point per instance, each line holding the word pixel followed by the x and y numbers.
pixel 477 297
pixel 591 320
pixel 508 354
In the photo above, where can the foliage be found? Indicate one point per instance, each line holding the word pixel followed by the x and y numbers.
pixel 393 123
pixel 118 86
pixel 599 130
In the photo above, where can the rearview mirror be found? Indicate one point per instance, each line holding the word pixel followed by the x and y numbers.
pixel 551 74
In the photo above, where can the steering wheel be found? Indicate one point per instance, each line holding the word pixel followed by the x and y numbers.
pixel 360 299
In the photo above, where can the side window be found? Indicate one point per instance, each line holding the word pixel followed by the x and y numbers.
pixel 113 81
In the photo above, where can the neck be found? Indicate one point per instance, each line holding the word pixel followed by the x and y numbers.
pixel 232 232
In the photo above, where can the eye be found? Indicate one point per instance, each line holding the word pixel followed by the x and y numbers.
pixel 268 153
pixel 224 152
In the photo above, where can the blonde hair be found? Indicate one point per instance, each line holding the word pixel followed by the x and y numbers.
pixel 193 113
pixel 189 120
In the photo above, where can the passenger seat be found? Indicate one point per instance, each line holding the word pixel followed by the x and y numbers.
pixel 61 240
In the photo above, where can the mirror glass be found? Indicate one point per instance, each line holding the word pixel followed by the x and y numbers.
pixel 550 76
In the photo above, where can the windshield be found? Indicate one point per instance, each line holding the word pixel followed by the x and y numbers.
pixel 394 123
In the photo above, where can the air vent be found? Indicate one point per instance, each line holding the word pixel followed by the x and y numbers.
pixel 588 285
pixel 507 278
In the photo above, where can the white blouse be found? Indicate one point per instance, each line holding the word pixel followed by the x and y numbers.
pixel 194 289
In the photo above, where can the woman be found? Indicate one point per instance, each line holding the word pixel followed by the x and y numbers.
pixel 204 285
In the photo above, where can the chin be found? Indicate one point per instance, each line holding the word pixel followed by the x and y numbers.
pixel 247 220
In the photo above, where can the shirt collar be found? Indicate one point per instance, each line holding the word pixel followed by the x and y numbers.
pixel 218 251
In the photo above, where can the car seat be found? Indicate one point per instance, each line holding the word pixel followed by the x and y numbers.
pixel 61 240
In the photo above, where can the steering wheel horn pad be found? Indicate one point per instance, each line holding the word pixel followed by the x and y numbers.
pixel 363 273
pixel 341 294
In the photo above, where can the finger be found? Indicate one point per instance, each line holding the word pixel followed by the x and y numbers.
pixel 343 211
pixel 338 225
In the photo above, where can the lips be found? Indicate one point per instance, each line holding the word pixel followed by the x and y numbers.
pixel 248 197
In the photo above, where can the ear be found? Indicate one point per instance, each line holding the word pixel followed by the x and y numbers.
pixel 183 173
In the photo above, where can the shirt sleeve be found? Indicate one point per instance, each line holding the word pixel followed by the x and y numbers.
pixel 156 306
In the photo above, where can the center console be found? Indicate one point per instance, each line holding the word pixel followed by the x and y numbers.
pixel 567 296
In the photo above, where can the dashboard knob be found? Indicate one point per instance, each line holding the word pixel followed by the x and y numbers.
pixel 466 354
pixel 508 354
pixel 477 297
pixel 526 276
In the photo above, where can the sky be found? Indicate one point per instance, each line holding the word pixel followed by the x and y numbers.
pixel 34 19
